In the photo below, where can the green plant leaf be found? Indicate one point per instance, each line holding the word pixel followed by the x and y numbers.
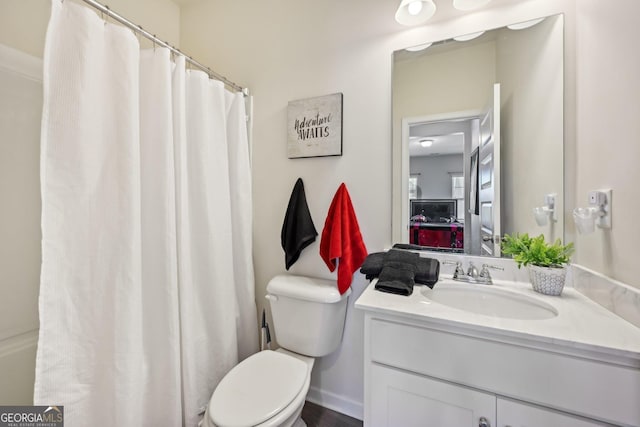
pixel 527 250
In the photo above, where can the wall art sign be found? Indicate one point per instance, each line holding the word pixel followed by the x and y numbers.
pixel 314 127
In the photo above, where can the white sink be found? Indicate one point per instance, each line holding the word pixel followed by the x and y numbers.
pixel 489 301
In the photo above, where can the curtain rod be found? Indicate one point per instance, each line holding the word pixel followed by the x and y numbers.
pixel 138 29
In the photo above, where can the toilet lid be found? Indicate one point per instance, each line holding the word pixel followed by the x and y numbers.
pixel 257 389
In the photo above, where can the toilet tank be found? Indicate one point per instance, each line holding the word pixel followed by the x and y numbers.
pixel 308 314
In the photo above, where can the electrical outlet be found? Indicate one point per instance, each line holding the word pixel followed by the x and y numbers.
pixel 597 198
pixel 550 202
pixel 602 198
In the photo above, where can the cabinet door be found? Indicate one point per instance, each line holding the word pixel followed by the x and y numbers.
pixel 518 414
pixel 399 398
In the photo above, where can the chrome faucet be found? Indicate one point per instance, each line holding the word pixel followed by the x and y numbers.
pixel 458 272
pixel 485 276
pixel 472 275
pixel 472 271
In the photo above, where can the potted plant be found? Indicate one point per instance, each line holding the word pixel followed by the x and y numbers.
pixel 545 262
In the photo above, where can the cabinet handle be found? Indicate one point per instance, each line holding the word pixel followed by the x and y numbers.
pixel 483 422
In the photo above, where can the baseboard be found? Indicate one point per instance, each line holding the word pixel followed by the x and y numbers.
pixel 18 343
pixel 335 402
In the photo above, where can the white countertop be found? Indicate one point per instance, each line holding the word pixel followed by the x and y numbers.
pixel 581 328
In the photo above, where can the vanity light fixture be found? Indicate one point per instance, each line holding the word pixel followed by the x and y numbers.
pixel 525 24
pixel 467 37
pixel 418 48
pixel 415 12
pixel 469 4
pixel 426 142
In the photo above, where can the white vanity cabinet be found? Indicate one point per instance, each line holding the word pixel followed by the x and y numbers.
pixel 430 373
pixel 518 414
pixel 400 398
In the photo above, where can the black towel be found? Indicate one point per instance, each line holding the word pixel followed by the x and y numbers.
pixel 401 256
pixel 427 270
pixel 298 230
pixel 372 265
pixel 396 278
pixel 374 262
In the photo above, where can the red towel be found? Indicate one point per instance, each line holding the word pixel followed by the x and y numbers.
pixel 341 239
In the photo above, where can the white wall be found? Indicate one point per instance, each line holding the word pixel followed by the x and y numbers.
pixel 20 112
pixel 529 70
pixel 22 28
pixel 435 174
pixel 608 131
pixel 23 23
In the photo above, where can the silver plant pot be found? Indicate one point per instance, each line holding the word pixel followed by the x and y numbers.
pixel 547 280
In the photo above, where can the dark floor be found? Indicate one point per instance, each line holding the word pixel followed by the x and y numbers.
pixel 317 416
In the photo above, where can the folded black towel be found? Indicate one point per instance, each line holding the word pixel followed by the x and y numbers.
pixel 298 230
pixel 403 256
pixel 396 280
pixel 400 265
pixel 372 265
pixel 374 262
pixel 427 270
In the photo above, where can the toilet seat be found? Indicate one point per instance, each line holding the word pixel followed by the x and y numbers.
pixel 258 389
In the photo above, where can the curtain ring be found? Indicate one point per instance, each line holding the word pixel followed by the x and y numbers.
pixel 138 33
pixel 154 42
pixel 106 21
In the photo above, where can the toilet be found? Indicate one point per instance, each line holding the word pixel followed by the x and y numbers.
pixel 269 388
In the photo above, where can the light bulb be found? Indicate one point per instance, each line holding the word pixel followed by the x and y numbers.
pixel 414 7
pixel 415 12
pixel 526 24
pixel 426 142
pixel 467 37
pixel 418 48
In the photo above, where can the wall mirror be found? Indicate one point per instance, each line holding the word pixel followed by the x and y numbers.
pixel 478 138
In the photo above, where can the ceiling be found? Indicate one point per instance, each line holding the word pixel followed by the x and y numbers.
pixel 441 145
pixel 447 137
pixel 444 8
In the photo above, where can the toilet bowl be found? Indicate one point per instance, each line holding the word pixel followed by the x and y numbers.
pixel 269 388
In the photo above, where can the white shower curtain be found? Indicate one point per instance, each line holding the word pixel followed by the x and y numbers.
pixel 147 288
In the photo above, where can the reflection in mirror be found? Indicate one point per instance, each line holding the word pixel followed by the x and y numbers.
pixel 478 138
